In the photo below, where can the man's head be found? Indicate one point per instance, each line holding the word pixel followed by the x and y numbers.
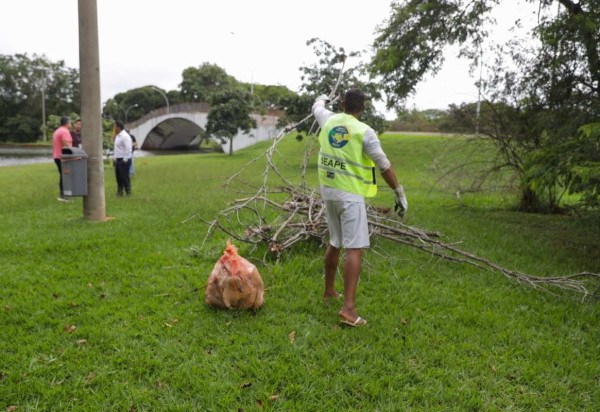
pixel 78 125
pixel 119 126
pixel 354 102
pixel 65 121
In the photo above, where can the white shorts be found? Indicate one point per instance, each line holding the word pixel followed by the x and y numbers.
pixel 348 224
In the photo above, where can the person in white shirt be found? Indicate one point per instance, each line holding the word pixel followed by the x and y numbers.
pixel 122 159
pixel 349 152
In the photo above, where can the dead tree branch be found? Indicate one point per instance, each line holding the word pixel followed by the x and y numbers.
pixel 298 215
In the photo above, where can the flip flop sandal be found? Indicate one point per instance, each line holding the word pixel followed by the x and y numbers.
pixel 358 322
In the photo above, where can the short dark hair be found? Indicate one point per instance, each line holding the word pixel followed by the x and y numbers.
pixel 119 124
pixel 65 120
pixel 354 101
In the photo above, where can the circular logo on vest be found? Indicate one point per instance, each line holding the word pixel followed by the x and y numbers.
pixel 339 136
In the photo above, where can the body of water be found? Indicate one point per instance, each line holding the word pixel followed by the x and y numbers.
pixel 22 155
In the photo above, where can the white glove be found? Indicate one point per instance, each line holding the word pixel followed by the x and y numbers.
pixel 322 98
pixel 401 204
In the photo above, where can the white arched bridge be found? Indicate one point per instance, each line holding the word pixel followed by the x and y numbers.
pixel 182 126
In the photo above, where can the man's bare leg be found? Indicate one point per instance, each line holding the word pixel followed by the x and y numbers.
pixel 352 266
pixel 332 258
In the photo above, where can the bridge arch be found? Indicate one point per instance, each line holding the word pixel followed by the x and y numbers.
pixel 183 125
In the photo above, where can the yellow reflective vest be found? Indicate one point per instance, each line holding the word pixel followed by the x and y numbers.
pixel 342 162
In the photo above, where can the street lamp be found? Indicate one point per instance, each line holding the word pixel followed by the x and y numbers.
pixel 164 95
pixel 127 111
pixel 478 108
pixel 43 91
pixel 113 111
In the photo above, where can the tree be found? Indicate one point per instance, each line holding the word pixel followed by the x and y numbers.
pixel 321 78
pixel 202 83
pixel 542 92
pixel 29 86
pixel 270 97
pixel 414 120
pixel 230 112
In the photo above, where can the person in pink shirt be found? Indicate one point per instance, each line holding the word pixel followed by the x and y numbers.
pixel 61 138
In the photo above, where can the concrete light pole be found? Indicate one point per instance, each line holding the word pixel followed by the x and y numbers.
pixel 127 111
pixel 164 95
pixel 478 108
pixel 91 117
pixel 43 93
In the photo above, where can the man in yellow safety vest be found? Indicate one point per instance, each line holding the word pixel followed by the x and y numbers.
pixel 349 153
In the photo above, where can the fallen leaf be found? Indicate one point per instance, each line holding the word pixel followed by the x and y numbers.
pixel 404 321
pixel 6 308
pixel 168 325
pixel 259 403
pixel 82 341
pixel 273 397
pixel 292 336
pixel 228 323
pixel 246 385
pixel 160 385
pixel 493 368
pixel 11 408
pixel 69 328
pixel 89 285
pixel 89 378
pixel 73 304
pixel 55 383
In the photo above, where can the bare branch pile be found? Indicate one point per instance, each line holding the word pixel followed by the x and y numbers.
pixel 298 215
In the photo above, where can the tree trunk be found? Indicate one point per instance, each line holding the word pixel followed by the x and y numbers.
pixel 530 201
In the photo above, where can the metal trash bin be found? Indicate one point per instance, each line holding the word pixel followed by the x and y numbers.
pixel 74 171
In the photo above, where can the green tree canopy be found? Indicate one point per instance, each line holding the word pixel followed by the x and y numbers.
pixel 548 83
pixel 23 79
pixel 199 84
pixel 230 112
pixel 271 97
pixel 322 77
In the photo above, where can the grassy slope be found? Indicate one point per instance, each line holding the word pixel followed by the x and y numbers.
pixel 441 336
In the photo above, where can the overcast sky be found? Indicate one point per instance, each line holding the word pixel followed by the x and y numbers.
pixel 145 42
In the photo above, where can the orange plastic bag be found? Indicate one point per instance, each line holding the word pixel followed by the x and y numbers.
pixel 234 282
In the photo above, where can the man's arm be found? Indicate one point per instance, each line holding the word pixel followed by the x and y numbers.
pixel 116 144
pixel 319 110
pixel 66 139
pixel 128 146
pixel 372 147
pixel 390 178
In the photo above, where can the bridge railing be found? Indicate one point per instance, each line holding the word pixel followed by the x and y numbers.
pixel 175 108
pixel 185 108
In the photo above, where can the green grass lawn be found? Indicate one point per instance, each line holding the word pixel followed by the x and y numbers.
pixel 111 316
